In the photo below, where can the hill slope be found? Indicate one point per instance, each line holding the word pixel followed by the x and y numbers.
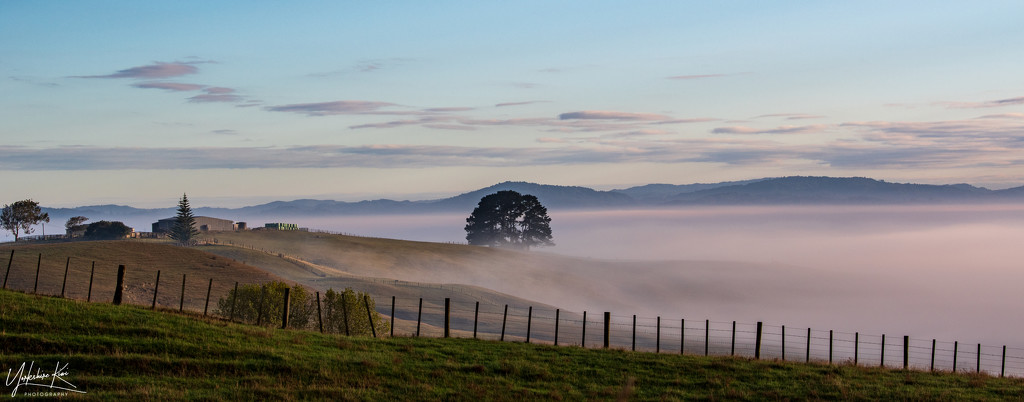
pixel 124 352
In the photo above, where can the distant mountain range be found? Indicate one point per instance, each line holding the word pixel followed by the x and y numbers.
pixel 768 191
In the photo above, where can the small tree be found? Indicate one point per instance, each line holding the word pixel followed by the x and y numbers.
pixel 184 230
pixel 509 219
pixel 20 216
pixel 104 230
pixel 75 224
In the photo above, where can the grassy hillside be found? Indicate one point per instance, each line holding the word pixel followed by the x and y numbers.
pixel 124 352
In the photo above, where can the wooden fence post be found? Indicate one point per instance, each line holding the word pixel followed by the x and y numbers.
pixel 181 303
pixel 1002 370
pixel 156 289
pixel 234 299
pixel 65 283
pixel 447 316
pixel 504 319
pixel 319 314
pixel 732 348
pixel 529 323
pixel 583 340
pixel 906 352
pixel 634 332
pixel 657 337
pixel 808 359
pixel 607 327
pixel 419 316
pixel 287 306
pixel 932 366
pixel 344 312
pixel 707 336
pixel 557 311
pixel 39 264
pixel 682 336
pixel 757 342
pixel 882 364
pixel 783 343
pixel 8 274
pixel 979 359
pixel 955 346
pixel 476 319
pixel 392 316
pixel 369 315
pixel 856 347
pixel 830 346
pixel 208 289
pixel 92 271
pixel 119 287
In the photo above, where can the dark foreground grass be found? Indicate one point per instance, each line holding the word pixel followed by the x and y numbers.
pixel 125 352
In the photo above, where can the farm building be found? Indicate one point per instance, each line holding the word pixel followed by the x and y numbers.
pixel 203 224
pixel 281 226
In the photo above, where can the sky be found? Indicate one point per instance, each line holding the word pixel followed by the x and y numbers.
pixel 242 102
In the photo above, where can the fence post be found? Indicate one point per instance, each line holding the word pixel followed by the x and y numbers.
pixel 8 274
pixel 657 337
pixel 1002 370
pixel 557 311
pixel 830 346
pixel 39 264
pixel 65 283
pixel 369 315
pixel 319 314
pixel 682 336
pixel 732 347
pixel 92 271
pixel 181 304
pixel 634 332
pixel 419 317
pixel 906 352
pixel 119 287
pixel 156 289
pixel 392 316
pixel 208 289
pixel 856 346
pixel 783 343
pixel 607 327
pixel 932 366
pixel 583 340
pixel 808 359
pixel 447 316
pixel 707 336
pixel 529 323
pixel 979 358
pixel 287 306
pixel 504 319
pixel 955 346
pixel 757 344
pixel 234 299
pixel 476 318
pixel 882 364
pixel 344 312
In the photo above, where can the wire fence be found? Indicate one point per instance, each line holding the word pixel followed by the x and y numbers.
pixel 463 315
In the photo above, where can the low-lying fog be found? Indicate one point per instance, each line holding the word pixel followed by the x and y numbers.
pixel 946 272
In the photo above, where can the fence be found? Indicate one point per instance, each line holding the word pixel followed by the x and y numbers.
pixel 462 316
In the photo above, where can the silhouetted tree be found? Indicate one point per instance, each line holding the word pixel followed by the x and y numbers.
pixel 75 224
pixel 20 216
pixel 105 230
pixel 184 230
pixel 509 219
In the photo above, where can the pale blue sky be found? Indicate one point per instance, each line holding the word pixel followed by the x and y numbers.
pixel 242 102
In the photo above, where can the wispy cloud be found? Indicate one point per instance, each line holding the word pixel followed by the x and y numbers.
pixel 506 104
pixel 697 76
pixel 216 94
pixel 170 86
pixel 790 116
pixel 151 71
pixel 979 105
pixel 332 108
pixel 610 115
pixel 778 130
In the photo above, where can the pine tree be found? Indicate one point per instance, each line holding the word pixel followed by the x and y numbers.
pixel 184 230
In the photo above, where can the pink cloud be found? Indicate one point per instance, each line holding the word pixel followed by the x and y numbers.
pixel 170 86
pixel 152 71
pixel 332 108
pixel 610 115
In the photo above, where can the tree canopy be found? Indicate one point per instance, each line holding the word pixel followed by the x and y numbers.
pixel 19 217
pixel 104 230
pixel 509 219
pixel 184 230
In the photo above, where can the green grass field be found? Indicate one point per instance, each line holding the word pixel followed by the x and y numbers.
pixel 127 352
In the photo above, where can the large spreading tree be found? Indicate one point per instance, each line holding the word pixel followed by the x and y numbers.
pixel 184 230
pixel 19 217
pixel 509 219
